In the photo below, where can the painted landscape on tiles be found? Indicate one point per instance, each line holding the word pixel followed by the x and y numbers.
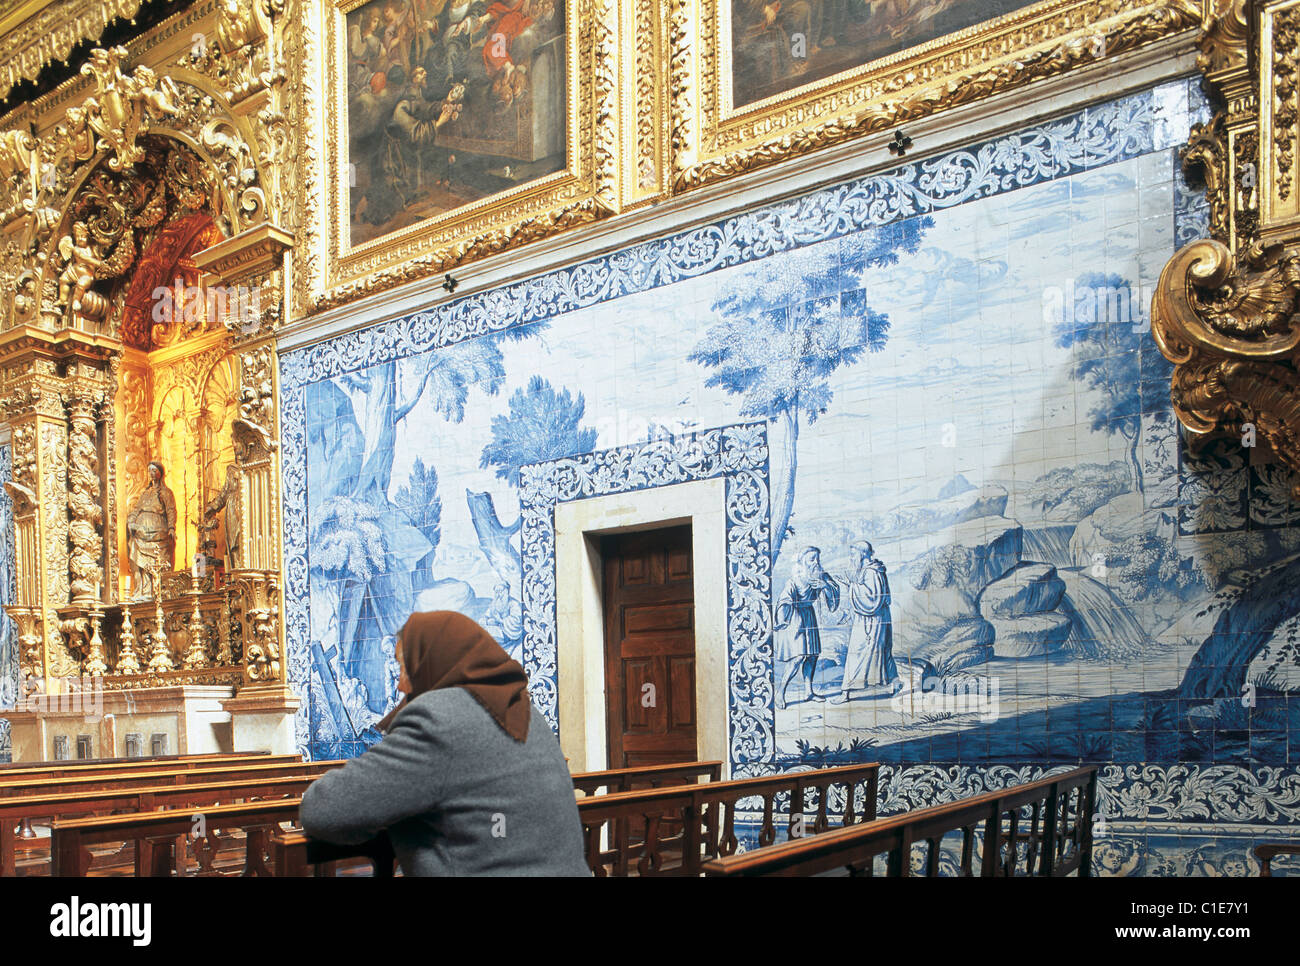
pixel 449 103
pixel 777 45
pixel 964 532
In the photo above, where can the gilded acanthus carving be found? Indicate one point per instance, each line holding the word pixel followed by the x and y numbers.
pixel 1226 310
pixel 125 105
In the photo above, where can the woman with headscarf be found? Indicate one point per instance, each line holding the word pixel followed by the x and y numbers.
pixel 469 778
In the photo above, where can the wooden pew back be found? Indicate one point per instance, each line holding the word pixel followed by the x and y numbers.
pixel 13 771
pixel 157 836
pixel 1057 840
pixel 672 830
pixel 149 798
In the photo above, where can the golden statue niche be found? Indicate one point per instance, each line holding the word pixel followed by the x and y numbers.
pixel 140 286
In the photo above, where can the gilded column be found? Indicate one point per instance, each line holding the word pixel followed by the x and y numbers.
pixel 83 399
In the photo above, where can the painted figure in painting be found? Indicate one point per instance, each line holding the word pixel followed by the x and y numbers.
pixel 505 619
pixel 449 103
pixel 870 659
pixel 151 533
pixel 796 616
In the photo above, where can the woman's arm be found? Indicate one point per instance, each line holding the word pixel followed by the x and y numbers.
pixel 398 778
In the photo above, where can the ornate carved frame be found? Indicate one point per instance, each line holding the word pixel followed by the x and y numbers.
pixel 711 140
pixel 1225 308
pixel 332 271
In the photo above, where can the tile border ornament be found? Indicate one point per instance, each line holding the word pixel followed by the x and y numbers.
pixel 738 453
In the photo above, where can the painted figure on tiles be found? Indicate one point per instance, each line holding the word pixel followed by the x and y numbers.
pixel 798 638
pixel 870 659
pixel 505 620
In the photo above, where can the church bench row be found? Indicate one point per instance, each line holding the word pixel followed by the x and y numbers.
pixel 1040 828
pixel 45 808
pixel 656 831
pixel 20 785
pixel 155 855
pixel 71 785
pixel 13 770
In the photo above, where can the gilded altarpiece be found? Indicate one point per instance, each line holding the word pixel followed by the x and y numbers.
pixel 142 270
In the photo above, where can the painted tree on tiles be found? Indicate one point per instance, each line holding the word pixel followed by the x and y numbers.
pixel 375 600
pixel 1101 317
pixel 784 334
pixel 543 424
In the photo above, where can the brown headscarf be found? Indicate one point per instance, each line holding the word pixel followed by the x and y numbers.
pixel 444 649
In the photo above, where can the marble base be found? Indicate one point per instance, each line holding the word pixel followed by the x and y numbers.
pixel 190 719
pixel 261 719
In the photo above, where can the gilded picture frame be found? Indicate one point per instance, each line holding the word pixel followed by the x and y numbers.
pixel 716 140
pixel 338 267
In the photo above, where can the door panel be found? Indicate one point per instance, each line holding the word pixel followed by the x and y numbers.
pixel 650 647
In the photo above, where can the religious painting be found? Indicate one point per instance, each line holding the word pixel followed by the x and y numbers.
pixel 453 129
pixel 449 103
pixel 775 79
pixel 780 44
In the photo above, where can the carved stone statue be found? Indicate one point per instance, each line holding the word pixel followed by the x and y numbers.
pixel 151 533
pixel 230 499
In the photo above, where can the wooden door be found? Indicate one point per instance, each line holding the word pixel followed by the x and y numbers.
pixel 649 598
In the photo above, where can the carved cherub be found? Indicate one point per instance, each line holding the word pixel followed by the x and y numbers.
pixel 81 260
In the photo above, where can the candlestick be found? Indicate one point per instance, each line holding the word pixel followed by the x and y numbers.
pixel 197 655
pixel 160 655
pixel 95 663
pixel 127 662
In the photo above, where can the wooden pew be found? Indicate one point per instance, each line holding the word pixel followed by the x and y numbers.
pixel 654 776
pixel 157 834
pixel 158 852
pixel 24 782
pixel 125 766
pixel 82 766
pixel 1058 839
pixel 706 815
pixel 46 808
pixel 72 785
pixel 295 854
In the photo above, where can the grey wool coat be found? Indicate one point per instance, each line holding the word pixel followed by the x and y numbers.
pixel 457 795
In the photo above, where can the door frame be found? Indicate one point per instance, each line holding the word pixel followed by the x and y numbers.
pixel 580 616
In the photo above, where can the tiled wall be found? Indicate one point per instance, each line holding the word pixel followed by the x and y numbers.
pixel 952 362
pixel 8 592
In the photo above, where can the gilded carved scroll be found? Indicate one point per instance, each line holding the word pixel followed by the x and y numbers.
pixel 1225 311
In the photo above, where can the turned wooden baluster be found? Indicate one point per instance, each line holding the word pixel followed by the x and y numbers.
pixel 255 852
pixel 767 832
pixel 728 843
pixel 850 812
pixel 1031 853
pixel 1013 847
pixel 932 856
pixel 822 790
pixel 594 861
pixel 651 860
pixel 967 850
